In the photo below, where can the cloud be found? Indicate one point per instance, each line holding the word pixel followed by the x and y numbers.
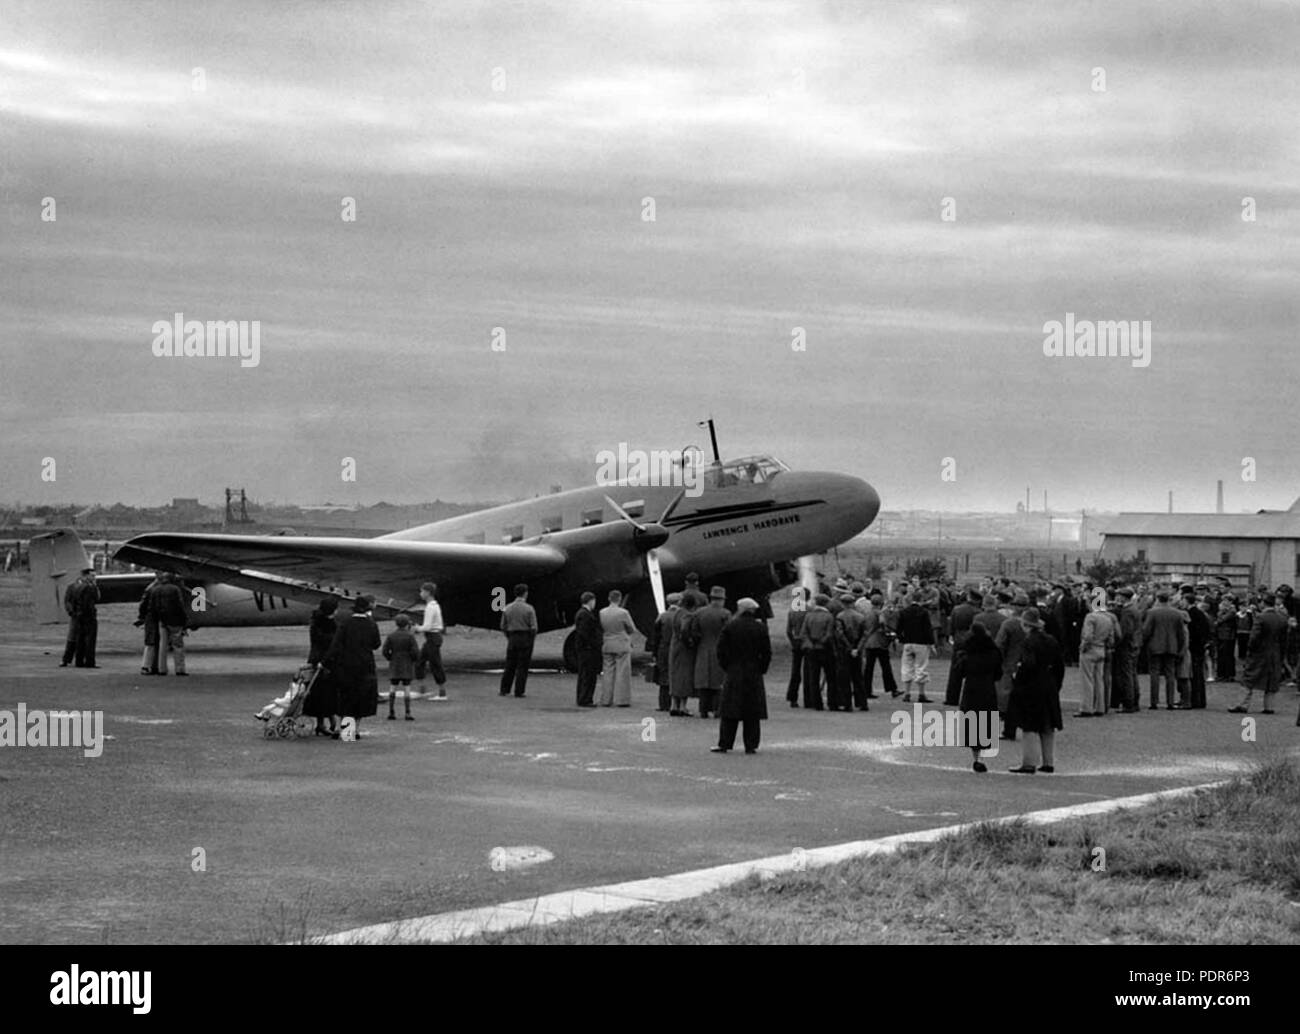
pixel 799 156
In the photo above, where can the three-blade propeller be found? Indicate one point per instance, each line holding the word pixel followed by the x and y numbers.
pixel 647 538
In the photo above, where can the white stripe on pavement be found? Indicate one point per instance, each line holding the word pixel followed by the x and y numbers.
pixel 658 890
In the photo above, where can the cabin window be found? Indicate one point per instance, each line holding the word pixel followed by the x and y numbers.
pixel 636 508
pixel 476 539
pixel 590 517
pixel 514 533
pixel 550 524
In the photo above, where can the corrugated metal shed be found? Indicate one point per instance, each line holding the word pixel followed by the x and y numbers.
pixel 1206 525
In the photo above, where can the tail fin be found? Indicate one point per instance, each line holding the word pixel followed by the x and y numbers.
pixel 56 560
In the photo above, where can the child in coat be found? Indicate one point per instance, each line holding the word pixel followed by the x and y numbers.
pixel 402 653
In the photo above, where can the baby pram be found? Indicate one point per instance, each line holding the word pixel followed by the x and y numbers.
pixel 283 715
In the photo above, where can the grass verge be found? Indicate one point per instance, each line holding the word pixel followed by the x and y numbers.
pixel 1219 867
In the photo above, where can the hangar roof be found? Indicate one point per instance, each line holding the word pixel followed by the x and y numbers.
pixel 1276 525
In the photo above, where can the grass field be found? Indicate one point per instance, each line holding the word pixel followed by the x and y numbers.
pixel 1220 867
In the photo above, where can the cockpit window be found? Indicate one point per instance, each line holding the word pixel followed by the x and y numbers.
pixel 749 470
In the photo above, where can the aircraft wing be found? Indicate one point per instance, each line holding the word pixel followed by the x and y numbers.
pixel 388 569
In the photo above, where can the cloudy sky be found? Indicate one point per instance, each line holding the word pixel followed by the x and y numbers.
pixel 798 156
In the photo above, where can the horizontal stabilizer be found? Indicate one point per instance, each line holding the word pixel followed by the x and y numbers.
pixel 57 559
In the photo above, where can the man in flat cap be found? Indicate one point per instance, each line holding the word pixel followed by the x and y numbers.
pixel 818 637
pixel 81 600
pixel 709 622
pixel 1263 669
pixel 1164 635
pixel 850 629
pixel 1127 645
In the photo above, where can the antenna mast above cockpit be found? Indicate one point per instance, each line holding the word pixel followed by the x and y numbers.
pixel 713 439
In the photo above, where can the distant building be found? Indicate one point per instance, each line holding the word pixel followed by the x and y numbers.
pixel 1065 529
pixel 1247 549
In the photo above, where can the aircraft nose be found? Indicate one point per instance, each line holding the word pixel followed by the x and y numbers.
pixel 861 502
pixel 852 502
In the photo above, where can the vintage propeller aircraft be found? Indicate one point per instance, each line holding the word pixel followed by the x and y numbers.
pixel 744 528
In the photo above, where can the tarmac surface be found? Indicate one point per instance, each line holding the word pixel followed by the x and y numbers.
pixel 481 799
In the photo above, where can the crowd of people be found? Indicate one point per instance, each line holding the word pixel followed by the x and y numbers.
pixel 1182 637
pixel 1010 645
pixel 699 650
pixel 702 652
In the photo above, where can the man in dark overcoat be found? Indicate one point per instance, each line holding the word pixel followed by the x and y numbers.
pixel 1200 634
pixel 587 638
pixel 147 618
pixel 81 602
pixel 168 602
pixel 1164 635
pixel 709 622
pixel 1263 669
pixel 1066 612
pixel 744 651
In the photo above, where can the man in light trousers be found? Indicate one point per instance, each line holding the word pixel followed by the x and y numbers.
pixel 616 653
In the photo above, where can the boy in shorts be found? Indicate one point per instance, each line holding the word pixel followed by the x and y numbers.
pixel 402 653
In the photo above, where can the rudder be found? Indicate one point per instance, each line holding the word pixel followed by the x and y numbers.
pixel 56 560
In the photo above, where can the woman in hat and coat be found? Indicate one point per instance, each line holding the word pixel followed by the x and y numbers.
pixel 981 669
pixel 681 655
pixel 323 700
pixel 351 660
pixel 659 644
pixel 1035 702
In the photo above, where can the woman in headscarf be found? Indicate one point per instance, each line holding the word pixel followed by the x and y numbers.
pixel 323 700
pixel 1035 704
pixel 681 655
pixel 659 644
pixel 351 660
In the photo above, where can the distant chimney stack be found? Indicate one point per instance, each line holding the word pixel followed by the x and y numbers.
pixel 1218 506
